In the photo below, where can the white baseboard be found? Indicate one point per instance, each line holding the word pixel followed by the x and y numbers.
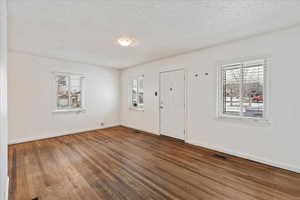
pixel 34 138
pixel 248 156
pixel 7 189
pixel 242 155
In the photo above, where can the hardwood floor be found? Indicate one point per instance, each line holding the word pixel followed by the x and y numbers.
pixel 118 163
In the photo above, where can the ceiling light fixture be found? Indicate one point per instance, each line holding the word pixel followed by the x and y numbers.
pixel 125 41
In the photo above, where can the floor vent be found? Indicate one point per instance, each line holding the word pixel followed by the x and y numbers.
pixel 219 156
pixel 137 131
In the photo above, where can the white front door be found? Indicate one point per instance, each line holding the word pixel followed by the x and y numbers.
pixel 172 100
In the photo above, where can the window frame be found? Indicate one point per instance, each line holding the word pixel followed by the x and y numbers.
pixel 82 89
pixel 220 89
pixel 140 107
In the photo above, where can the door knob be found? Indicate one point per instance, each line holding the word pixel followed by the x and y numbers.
pixel 161 107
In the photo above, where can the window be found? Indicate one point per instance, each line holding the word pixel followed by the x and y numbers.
pixel 243 89
pixel 136 97
pixel 68 92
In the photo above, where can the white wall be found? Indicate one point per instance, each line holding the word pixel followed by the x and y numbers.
pixel 31 98
pixel 3 101
pixel 276 143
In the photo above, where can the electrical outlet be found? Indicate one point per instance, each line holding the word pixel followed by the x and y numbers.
pixel 102 123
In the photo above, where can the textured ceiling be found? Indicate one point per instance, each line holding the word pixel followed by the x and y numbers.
pixel 86 30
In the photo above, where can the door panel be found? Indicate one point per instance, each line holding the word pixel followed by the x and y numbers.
pixel 172 99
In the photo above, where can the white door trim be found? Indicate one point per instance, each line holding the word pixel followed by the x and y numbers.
pixel 185 100
pixel 3 100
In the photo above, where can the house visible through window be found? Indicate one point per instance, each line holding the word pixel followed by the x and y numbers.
pixel 68 92
pixel 243 89
pixel 137 93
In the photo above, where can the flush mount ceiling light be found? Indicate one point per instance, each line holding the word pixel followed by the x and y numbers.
pixel 126 41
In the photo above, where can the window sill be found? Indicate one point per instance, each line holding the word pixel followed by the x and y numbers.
pixel 77 110
pixel 262 121
pixel 137 109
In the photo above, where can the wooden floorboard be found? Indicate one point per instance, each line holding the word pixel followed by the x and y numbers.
pixel 119 163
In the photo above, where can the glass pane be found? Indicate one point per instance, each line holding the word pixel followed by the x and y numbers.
pixel 253 87
pixel 141 92
pixel 231 91
pixel 75 91
pixel 62 92
pixel 134 92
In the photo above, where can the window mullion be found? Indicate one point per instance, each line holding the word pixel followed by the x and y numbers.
pixel 241 89
pixel 223 80
pixel 69 90
pixel 265 96
pixel 138 92
pixel 81 92
pixel 57 93
pixel 132 93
